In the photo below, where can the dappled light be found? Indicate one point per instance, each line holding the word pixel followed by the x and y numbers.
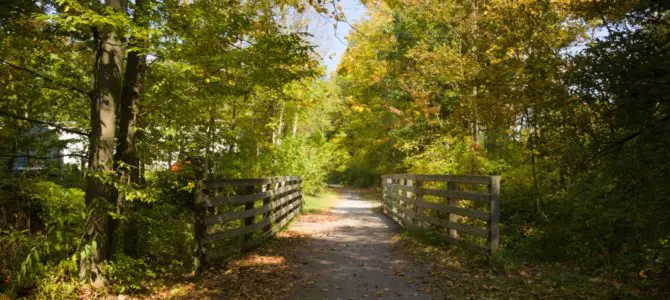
pixel 319 217
pixel 391 149
pixel 259 260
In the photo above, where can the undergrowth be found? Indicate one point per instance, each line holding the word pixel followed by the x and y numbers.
pixel 468 275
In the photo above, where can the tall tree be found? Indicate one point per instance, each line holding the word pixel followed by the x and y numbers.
pixel 107 85
pixel 125 158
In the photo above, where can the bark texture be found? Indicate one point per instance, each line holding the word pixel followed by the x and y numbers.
pixel 125 158
pixel 104 98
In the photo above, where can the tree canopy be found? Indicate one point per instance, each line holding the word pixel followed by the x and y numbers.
pixel 113 110
pixel 565 99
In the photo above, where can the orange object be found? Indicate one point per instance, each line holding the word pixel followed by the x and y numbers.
pixel 175 167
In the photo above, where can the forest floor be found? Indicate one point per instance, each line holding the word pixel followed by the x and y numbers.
pixel 352 251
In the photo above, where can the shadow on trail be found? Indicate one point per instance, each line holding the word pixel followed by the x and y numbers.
pixel 345 253
pixel 349 253
pixel 353 256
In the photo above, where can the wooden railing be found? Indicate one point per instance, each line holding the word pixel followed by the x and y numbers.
pixel 235 215
pixel 448 206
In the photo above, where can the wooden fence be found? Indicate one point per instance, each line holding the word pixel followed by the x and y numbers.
pixel 448 206
pixel 235 215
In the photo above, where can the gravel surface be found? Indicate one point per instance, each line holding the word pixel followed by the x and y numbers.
pixel 351 255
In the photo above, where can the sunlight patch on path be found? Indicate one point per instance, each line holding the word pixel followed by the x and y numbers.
pixel 353 256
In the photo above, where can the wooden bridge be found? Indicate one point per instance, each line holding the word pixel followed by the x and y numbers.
pixel 417 202
pixel 235 215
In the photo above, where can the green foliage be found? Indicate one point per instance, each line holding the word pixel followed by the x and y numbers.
pixel 15 245
pixel 455 156
pixel 319 202
pixel 308 157
pixel 566 100
pixel 39 257
pixel 162 235
pixel 206 96
pixel 129 275
pixel 60 207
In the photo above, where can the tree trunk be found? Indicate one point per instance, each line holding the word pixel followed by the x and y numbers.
pixel 280 129
pixel 295 123
pixel 125 151
pixel 532 137
pixel 125 159
pixel 14 150
pixel 142 180
pixel 474 131
pixel 233 140
pixel 209 165
pixel 106 93
pixel 473 49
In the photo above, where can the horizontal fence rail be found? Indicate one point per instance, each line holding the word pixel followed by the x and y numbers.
pixel 447 205
pixel 235 215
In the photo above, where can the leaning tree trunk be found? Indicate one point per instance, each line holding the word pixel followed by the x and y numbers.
pixel 125 158
pixel 130 99
pixel 106 92
pixel 126 162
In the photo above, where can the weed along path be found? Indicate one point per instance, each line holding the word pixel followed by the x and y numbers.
pixel 351 255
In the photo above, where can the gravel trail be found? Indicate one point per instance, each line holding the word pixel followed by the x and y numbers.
pixel 352 256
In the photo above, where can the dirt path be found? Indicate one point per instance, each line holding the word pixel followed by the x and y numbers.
pixel 351 256
pixel 351 253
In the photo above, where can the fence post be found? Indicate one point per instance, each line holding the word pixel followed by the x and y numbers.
pixel 384 198
pixel 249 220
pixel 199 227
pixel 406 194
pixel 418 210
pixel 394 201
pixel 410 202
pixel 397 199
pixel 494 217
pixel 387 195
pixel 266 201
pixel 451 186
pixel 299 188
pixel 401 200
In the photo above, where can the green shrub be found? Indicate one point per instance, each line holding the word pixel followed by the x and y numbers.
pixel 128 275
pixel 39 257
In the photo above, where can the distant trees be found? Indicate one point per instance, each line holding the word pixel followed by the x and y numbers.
pixel 566 99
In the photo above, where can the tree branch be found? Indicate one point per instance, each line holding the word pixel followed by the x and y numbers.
pixel 70 88
pixel 620 142
pixel 42 157
pixel 57 126
pixel 344 18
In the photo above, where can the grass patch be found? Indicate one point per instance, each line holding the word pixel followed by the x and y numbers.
pixel 320 202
